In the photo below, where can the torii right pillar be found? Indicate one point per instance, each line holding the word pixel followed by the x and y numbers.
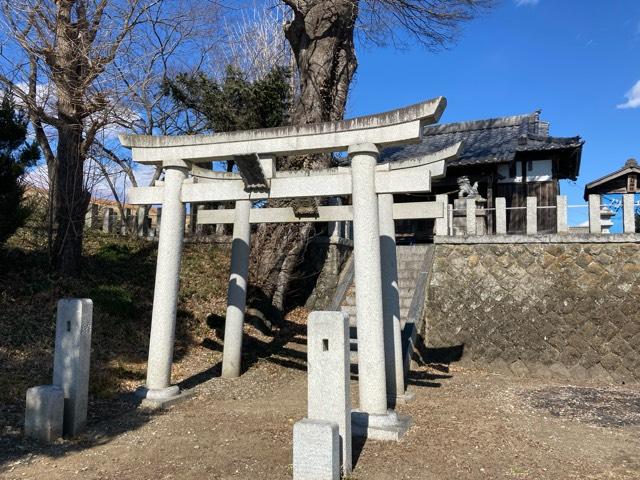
pixel 373 419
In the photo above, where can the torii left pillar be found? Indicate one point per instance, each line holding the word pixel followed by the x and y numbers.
pixel 237 291
pixel 165 294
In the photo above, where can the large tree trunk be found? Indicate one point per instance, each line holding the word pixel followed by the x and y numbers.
pixel 71 201
pixel 70 197
pixel 321 38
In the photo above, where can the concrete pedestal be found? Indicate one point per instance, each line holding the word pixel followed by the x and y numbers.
pixel 316 453
pixel 165 295
pixel 43 413
pixel 371 364
pixel 390 301
pixel 469 216
pixel 237 290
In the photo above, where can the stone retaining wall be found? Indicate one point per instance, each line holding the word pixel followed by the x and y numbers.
pixel 556 309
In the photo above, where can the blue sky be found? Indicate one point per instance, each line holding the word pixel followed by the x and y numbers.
pixel 574 59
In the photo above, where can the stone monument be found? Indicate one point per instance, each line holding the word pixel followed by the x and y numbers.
pixel 71 360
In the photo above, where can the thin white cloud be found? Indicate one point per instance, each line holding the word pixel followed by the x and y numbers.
pixel 522 3
pixel 633 97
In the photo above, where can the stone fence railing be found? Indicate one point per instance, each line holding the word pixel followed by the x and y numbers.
pixel 472 218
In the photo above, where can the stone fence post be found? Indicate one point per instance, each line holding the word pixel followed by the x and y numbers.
pixel 472 227
pixel 594 214
pixel 532 215
pixel 501 216
pixel 91 217
pixel 629 215
pixel 562 214
pixel 442 224
pixel 107 221
pixel 141 221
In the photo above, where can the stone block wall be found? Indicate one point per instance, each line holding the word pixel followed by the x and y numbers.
pixel 568 310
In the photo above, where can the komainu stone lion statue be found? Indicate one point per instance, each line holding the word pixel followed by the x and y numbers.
pixel 466 189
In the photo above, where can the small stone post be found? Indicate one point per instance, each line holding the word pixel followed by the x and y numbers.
pixel 71 360
pixel 562 214
pixel 629 215
pixel 594 214
pixel 165 294
pixel 390 301
pixel 441 227
pixel 532 215
pixel 371 368
pixel 237 290
pixel 44 413
pixel 329 395
pixel 472 228
pixel 501 216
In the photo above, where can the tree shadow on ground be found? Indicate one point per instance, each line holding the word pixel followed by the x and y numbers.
pixel 357 445
pixel 107 420
pixel 259 347
pixel 437 359
pixel 118 275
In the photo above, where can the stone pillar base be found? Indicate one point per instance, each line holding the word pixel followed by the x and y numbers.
pixel 162 397
pixel 406 397
pixel 390 427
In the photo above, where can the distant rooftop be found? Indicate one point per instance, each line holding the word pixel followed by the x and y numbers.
pixel 616 182
pixel 496 140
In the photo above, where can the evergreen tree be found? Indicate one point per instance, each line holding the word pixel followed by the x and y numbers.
pixel 235 103
pixel 16 155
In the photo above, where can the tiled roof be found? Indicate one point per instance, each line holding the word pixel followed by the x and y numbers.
pixel 496 140
pixel 630 167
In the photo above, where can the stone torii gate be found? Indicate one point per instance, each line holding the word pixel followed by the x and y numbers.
pixel 242 217
pixel 253 151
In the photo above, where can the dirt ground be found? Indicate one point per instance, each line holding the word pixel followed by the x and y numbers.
pixel 467 425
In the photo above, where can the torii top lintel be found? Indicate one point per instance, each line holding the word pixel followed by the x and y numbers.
pixel 395 127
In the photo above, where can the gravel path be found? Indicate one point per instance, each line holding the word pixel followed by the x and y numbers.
pixel 468 425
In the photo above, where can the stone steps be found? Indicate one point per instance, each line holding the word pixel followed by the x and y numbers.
pixel 410 261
